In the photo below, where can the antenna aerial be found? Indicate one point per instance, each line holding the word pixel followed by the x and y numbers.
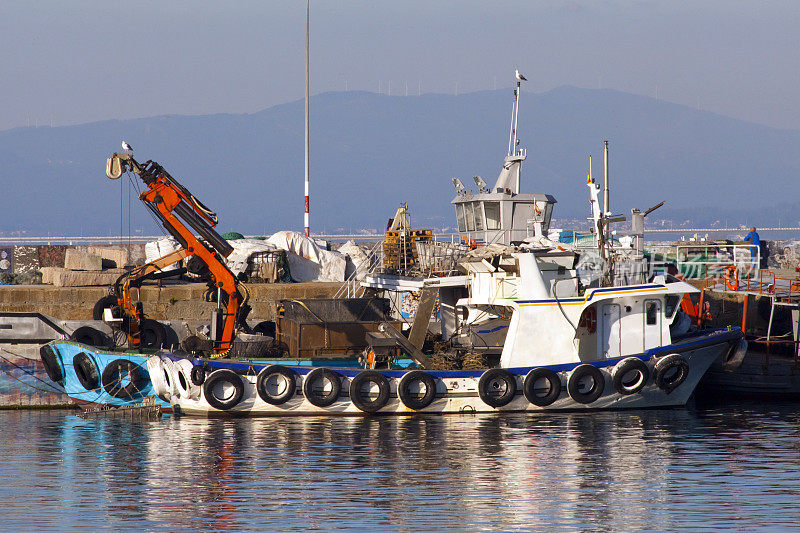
pixel 480 183
pixel 458 185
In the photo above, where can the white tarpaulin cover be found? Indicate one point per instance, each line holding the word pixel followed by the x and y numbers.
pixel 357 259
pixel 156 249
pixel 307 260
pixel 242 250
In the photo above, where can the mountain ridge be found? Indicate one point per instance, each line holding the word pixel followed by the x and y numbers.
pixel 369 152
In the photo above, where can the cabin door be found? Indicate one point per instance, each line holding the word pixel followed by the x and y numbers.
pixel 652 324
pixel 609 331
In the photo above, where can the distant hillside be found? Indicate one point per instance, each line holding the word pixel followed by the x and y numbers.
pixel 370 152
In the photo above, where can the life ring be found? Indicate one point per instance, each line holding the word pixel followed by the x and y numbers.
pixel 362 398
pixel 497 387
pixel 630 375
pixel 731 278
pixel 223 389
pixel 51 365
pixel 197 375
pixel 120 370
pixel 553 382
pixel 317 395
pixel 671 372
pixel 286 384
pixel 595 391
pixel 588 320
pixel 86 371
pixel 421 379
pixel 89 336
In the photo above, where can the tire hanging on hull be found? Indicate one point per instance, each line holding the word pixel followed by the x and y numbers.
pixel 414 401
pixel 222 377
pixel 580 373
pixel 362 399
pixel 280 372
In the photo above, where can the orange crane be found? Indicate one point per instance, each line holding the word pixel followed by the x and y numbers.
pixel 172 203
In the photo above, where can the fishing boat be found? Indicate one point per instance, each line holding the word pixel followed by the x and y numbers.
pixel 608 348
pixel 604 344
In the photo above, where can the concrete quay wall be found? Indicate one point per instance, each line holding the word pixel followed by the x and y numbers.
pixel 168 302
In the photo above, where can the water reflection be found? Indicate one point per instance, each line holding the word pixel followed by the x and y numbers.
pixel 707 468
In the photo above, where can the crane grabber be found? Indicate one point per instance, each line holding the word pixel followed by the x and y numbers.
pixel 173 204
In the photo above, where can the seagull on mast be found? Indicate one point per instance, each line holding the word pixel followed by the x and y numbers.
pixel 520 77
pixel 126 147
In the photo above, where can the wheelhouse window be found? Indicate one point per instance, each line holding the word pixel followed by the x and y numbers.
pixel 478 216
pixel 470 216
pixel 548 212
pixel 492 210
pixel 462 224
pixel 671 304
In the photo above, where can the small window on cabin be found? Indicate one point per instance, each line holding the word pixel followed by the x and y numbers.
pixel 651 312
pixel 462 224
pixel 548 213
pixel 671 304
pixel 478 216
pixel 470 217
pixel 492 210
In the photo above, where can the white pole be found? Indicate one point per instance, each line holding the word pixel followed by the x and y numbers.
pixel 307 226
pixel 516 116
pixel 606 194
pixel 511 128
pixel 606 199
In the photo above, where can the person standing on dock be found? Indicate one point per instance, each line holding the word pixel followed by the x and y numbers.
pixel 754 241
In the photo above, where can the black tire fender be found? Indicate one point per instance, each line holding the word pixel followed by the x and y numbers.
pixel 321 398
pixel 624 368
pixel 86 371
pixel 102 304
pixel 491 381
pixel 412 401
pixel 152 334
pixel 267 327
pixel 50 360
pixel 197 375
pixel 115 372
pixel 281 372
pixel 553 381
pixel 598 383
pixel 220 377
pixel 671 371
pixel 89 336
pixel 361 399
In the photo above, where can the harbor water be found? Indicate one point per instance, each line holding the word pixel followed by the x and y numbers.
pixel 707 467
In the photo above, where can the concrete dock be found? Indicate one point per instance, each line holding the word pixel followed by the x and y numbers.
pixel 23 381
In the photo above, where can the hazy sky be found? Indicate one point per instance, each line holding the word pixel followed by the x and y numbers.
pixel 79 61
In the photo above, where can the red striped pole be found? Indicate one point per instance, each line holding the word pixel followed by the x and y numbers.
pixel 308 5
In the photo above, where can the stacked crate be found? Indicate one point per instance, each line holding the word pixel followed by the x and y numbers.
pixel 400 250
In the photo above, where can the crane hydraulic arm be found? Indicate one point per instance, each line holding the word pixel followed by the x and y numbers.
pixel 172 203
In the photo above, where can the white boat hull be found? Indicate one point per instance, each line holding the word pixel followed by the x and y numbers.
pixel 456 391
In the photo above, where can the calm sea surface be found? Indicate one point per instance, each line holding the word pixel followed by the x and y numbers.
pixel 709 467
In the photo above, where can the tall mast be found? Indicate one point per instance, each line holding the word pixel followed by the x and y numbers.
pixel 308 5
pixel 511 129
pixel 606 195
pixel 516 115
